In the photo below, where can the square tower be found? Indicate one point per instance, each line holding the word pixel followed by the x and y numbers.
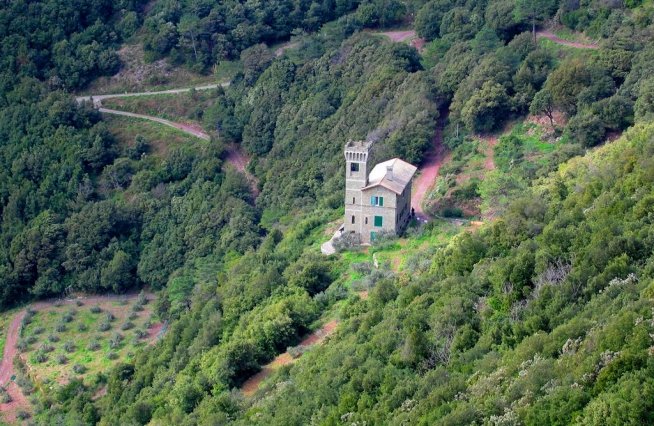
pixel 357 156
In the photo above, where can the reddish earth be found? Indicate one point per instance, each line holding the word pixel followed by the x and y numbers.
pixel 553 37
pixel 252 384
pixel 428 172
pixel 10 351
pixel 237 158
pixel 399 36
pixel 491 141
pixel 281 49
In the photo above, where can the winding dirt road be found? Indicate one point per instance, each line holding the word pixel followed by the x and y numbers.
pixel 429 168
pixel 186 128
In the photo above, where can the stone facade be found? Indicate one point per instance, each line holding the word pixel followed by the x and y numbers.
pixel 376 202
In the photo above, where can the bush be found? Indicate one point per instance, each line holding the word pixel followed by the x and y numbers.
pixel 60 328
pixel 115 341
pixel 347 241
pixel 133 316
pixel 79 369
pixel 137 308
pixel 38 330
pixel 41 357
pixel 141 334
pixel 95 309
pixel 94 345
pixel 79 303
pixel 105 326
pixel 586 129
pixel 127 326
pixel 46 348
pixel 112 355
pixel 22 345
pixel 53 338
pixel 69 347
pixel 5 398
pixel 82 327
pixel 22 415
pixel 61 359
pixel 142 299
pixel 30 340
pixel 110 317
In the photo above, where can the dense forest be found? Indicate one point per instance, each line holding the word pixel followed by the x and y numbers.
pixel 542 316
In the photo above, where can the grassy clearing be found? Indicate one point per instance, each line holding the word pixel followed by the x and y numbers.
pixel 182 107
pixel 65 342
pixel 159 137
pixel 560 51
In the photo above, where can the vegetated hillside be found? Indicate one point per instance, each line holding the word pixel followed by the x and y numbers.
pixel 102 215
pixel 543 317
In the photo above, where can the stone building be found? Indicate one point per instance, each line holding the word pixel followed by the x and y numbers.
pixel 379 201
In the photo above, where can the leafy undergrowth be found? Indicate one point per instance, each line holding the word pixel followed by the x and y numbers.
pixel 183 107
pixel 483 174
pixel 136 74
pixel 61 343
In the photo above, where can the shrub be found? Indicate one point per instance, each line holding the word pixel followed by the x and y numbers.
pixel 142 299
pixel 68 317
pixel 112 355
pixel 105 326
pixel 95 309
pixel 127 326
pixel 30 340
pixel 41 357
pixel 21 345
pixel 79 369
pixel 61 359
pixel 110 317
pixel 79 303
pixel 115 341
pixel 5 398
pixel 133 316
pixel 53 338
pixel 94 345
pixel 60 328
pixel 141 334
pixel 347 241
pixel 69 347
pixel 46 348
pixel 38 330
pixel 137 308
pixel 82 327
pixel 22 415
pixel 147 324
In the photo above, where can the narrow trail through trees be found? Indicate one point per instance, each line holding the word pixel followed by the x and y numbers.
pixel 553 37
pixel 252 384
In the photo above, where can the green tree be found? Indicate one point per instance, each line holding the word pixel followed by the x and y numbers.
pixel 534 12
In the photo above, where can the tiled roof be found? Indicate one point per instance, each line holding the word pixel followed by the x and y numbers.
pixel 393 174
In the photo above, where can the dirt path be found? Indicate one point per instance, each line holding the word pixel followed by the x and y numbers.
pixel 283 48
pixel 237 158
pixel 428 172
pixel 186 128
pixel 97 99
pixel 553 37
pixel 13 333
pixel 251 385
pixel 491 141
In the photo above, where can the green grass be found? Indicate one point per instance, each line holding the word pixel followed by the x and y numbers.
pixel 95 361
pixel 160 137
pixel 180 107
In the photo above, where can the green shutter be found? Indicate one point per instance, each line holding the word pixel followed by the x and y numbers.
pixel 381 201
pixel 379 221
pixel 372 201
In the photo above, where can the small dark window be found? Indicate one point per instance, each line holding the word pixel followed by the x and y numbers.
pixel 352 219
pixel 354 200
pixel 366 221
pixel 354 167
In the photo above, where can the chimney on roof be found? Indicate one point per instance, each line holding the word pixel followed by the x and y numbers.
pixel 389 172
